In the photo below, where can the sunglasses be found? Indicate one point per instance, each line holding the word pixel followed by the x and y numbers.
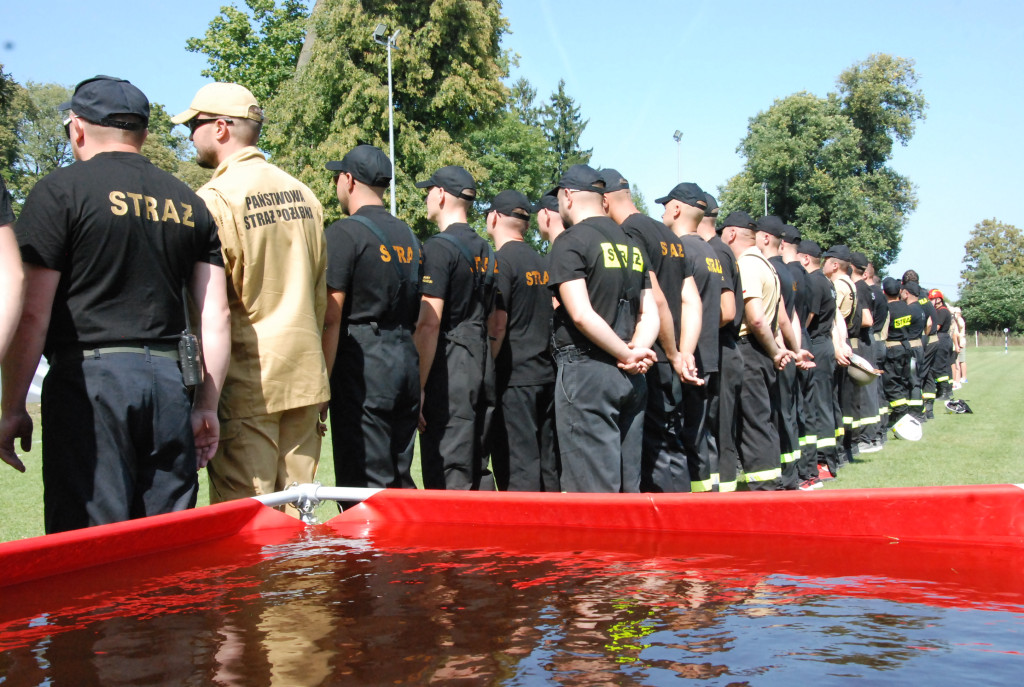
pixel 195 122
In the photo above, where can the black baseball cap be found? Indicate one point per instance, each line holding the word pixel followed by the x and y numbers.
pixel 453 179
pixel 859 260
pixel 739 219
pixel 771 224
pixel 809 247
pixel 580 178
pixel 686 192
pixel 790 234
pixel 613 180
pixel 98 99
pixel 912 288
pixel 891 286
pixel 839 252
pixel 513 204
pixel 365 163
pixel 712 209
pixel 546 202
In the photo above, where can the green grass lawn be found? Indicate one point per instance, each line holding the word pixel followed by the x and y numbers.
pixel 982 448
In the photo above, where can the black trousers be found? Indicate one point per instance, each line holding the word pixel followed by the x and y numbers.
pixel 117 440
pixel 915 403
pixel 896 380
pixel 375 405
pixel 663 458
pixel 723 417
pixel 759 419
pixel 524 456
pixel 819 410
pixel 789 426
pixel 458 406
pixel 599 418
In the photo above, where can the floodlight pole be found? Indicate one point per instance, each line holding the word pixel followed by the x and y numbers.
pixel 764 187
pixel 389 42
pixel 678 137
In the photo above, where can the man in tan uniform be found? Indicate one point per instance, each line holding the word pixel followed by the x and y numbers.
pixel 275 255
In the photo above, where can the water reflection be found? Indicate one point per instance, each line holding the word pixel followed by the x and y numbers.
pixel 326 610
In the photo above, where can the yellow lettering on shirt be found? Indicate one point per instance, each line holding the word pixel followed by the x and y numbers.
pixel 151 212
pixel 187 219
pixel 117 204
pixel 664 248
pixel 170 212
pixel 137 197
pixel 385 256
pixel 536 278
pixel 714 265
pixel 901 322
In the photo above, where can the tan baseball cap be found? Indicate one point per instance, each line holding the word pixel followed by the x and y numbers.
pixel 225 99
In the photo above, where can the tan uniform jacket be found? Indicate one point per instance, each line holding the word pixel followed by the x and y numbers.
pixel 760 280
pixel 275 256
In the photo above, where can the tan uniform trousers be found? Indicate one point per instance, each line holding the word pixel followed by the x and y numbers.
pixel 265 453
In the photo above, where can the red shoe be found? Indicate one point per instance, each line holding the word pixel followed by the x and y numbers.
pixel 810 484
pixel 824 474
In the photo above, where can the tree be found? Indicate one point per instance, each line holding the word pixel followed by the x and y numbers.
pixel 448 67
pixel 563 126
pixel 995 244
pixel 41 145
pixel 823 160
pixel 9 91
pixel 994 303
pixel 258 47
pixel 881 99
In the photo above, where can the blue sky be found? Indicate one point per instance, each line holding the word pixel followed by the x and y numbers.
pixel 641 70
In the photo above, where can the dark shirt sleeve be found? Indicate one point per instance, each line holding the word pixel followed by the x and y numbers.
pixel 43 228
pixel 436 269
pixel 209 249
pixel 341 256
pixel 568 261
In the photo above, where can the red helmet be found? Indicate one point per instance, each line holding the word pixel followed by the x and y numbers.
pixel 935 293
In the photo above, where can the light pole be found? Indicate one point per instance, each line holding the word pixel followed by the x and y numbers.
pixel 764 187
pixel 677 137
pixel 381 38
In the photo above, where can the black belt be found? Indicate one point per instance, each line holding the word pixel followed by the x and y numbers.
pixel 573 353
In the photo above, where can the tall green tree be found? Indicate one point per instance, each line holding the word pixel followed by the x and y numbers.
pixel 881 98
pixel 9 91
pixel 257 47
pixel 564 126
pixel 448 69
pixel 823 159
pixel 994 302
pixel 995 244
pixel 41 145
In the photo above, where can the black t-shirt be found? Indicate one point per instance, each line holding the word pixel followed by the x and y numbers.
pixel 525 356
pixel 865 301
pixel 787 284
pixel 707 273
pixel 799 275
pixel 364 269
pixel 125 236
pixel 667 261
pixel 943 320
pixel 821 302
pixel 6 211
pixel 879 308
pixel 899 321
pixel 449 276
pixel 929 311
pixel 584 252
pixel 918 320
pixel 731 281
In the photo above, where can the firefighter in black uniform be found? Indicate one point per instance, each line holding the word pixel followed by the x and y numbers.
pixel 373 271
pixel 722 416
pixel 896 374
pixel 110 244
pixel 604 327
pixel 523 453
pixel 664 464
pixel 880 319
pixel 863 408
pixel 944 356
pixel 916 332
pixel 451 337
